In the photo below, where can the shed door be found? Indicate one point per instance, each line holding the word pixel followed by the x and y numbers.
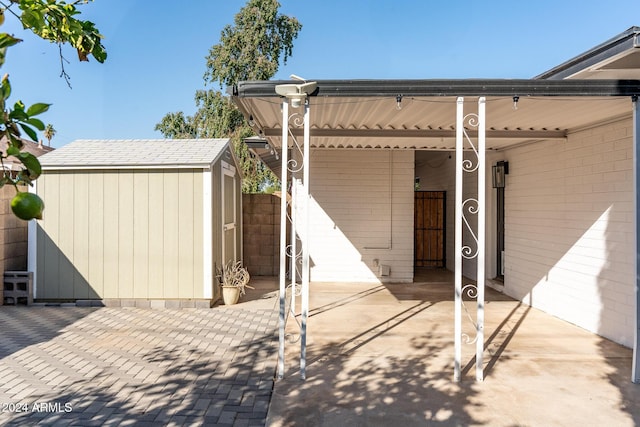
pixel 429 228
pixel 229 214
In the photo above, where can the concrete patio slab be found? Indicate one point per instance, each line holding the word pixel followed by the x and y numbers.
pixel 381 355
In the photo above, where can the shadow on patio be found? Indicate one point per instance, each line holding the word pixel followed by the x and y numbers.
pixel 383 355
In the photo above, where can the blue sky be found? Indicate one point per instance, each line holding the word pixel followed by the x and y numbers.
pixel 157 48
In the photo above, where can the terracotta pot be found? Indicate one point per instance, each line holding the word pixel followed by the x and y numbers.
pixel 230 295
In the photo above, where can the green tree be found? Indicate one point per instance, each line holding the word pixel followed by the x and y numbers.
pixel 251 49
pixel 52 20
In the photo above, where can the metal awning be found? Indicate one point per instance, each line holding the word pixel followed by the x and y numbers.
pixel 420 114
pixel 430 115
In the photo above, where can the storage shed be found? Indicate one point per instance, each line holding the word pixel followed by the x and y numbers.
pixel 137 220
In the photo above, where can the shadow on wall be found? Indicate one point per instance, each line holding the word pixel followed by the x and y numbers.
pixel 569 244
pixel 57 278
pixel 101 272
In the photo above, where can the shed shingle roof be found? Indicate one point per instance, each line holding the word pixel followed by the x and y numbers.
pixel 135 153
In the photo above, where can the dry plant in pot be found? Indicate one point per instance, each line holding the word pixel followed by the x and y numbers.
pixel 234 278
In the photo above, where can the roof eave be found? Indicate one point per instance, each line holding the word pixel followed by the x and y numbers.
pixel 54 167
pixel 443 88
pixel 625 41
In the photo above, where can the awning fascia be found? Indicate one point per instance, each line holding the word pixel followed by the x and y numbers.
pixel 438 88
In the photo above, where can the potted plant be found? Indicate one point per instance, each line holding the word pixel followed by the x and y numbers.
pixel 234 278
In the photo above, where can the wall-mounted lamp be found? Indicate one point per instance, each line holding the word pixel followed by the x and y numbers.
pixel 296 93
pixel 256 142
pixel 499 170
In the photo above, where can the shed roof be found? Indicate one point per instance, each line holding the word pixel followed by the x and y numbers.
pixel 135 153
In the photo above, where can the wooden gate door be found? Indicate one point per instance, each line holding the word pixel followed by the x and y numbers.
pixel 429 222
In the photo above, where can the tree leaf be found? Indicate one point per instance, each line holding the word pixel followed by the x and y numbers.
pixel 7 40
pixel 38 108
pixel 32 164
pixel 13 150
pixel 18 114
pixel 6 87
pixel 29 131
pixel 33 19
pixel 36 123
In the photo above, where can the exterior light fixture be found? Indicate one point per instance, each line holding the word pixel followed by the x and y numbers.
pixel 296 93
pixel 257 143
pixel 499 170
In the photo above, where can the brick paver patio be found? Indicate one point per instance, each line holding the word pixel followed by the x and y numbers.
pixel 130 366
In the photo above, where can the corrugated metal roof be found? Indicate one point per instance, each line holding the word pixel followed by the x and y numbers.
pixel 135 153
pixel 429 122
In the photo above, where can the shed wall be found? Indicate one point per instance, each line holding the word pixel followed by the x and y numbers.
pixel 361 211
pixel 569 229
pixel 120 234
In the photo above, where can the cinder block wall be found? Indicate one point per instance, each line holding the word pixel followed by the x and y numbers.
pixel 13 235
pixel 261 233
pixel 569 229
pixel 361 211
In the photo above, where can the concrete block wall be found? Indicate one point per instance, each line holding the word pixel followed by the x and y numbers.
pixel 261 234
pixel 569 229
pixel 362 215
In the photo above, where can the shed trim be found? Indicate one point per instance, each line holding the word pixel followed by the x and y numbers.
pixel 204 166
pixel 207 235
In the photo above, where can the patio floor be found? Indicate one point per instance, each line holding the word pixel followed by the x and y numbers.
pixel 381 355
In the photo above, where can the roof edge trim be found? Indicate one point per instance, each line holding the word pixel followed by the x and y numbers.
pixel 442 88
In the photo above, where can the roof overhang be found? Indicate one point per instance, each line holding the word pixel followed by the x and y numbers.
pixel 617 58
pixel 421 114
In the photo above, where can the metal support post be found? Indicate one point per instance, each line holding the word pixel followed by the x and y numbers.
pixel 305 243
pixel 480 275
pixel 458 239
pixel 283 238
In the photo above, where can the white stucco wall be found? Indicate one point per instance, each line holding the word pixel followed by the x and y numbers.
pixel 361 211
pixel 569 229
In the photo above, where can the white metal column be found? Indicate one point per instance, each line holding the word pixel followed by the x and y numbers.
pixel 635 370
pixel 283 236
pixel 476 248
pixel 480 279
pixel 305 244
pixel 458 240
pixel 298 205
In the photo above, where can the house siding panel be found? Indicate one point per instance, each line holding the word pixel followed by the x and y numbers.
pixel 569 222
pixel 361 211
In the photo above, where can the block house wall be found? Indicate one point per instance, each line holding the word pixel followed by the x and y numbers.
pixel 569 229
pixel 361 215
